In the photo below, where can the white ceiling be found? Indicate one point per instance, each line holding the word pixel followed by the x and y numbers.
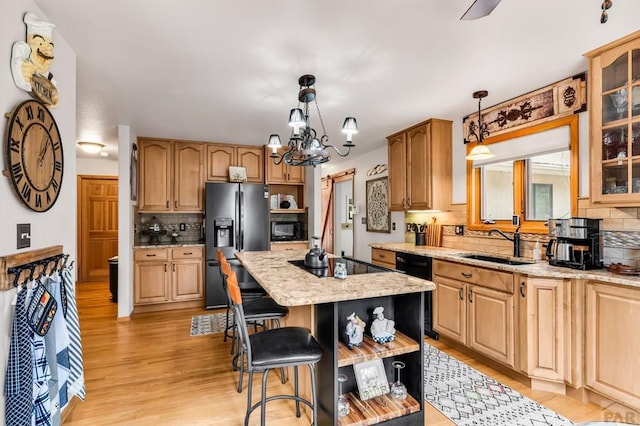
pixel 227 71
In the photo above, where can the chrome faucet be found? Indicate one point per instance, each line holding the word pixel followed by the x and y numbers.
pixel 515 239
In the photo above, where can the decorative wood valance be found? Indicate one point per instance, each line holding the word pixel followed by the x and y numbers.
pixel 559 99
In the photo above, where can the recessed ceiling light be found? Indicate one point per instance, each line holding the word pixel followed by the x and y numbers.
pixel 91 147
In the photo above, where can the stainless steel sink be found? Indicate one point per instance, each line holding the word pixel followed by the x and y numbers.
pixel 497 259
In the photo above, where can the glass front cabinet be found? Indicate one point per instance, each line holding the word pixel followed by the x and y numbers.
pixel 614 116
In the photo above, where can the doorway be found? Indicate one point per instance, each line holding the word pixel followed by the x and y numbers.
pixel 97 226
pixel 337 213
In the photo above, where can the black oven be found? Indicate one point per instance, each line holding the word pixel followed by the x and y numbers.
pixel 286 231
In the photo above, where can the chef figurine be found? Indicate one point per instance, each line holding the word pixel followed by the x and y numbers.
pixel 292 202
pixel 354 331
pixel 31 60
pixel 382 329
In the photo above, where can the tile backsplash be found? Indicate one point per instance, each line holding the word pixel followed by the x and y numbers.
pixel 620 231
pixel 168 223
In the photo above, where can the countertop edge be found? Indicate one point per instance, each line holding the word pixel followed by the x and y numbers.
pixel 540 269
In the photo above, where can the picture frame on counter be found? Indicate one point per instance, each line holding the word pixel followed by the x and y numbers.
pixel 371 379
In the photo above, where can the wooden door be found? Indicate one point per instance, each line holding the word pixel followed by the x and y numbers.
pixel 151 282
pixel 252 159
pixel 295 174
pixel 276 173
pixel 155 164
pixel 219 158
pixel 188 177
pixel 97 226
pixel 327 214
pixel 541 328
pixel 397 172
pixel 612 342
pixel 186 280
pixel 450 309
pixel 419 167
pixel 491 322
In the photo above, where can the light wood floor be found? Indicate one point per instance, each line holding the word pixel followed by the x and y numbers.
pixel 149 371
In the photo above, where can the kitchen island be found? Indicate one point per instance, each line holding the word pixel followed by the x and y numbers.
pixel 323 304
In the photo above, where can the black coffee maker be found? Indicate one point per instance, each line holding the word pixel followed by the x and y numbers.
pixel 575 243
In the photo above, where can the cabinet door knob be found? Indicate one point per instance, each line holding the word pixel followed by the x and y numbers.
pixel 470 294
pixel 175 204
pixel 173 266
pixel 461 293
pixel 165 267
pixel 522 287
pixel 466 274
pixel 150 255
pixel 167 203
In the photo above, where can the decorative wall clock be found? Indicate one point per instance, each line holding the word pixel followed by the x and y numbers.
pixel 34 155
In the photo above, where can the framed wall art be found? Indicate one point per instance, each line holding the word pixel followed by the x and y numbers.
pixel 371 379
pixel 378 216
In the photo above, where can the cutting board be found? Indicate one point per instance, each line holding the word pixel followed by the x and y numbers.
pixel 434 234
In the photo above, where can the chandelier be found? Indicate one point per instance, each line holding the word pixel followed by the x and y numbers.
pixel 479 131
pixel 305 147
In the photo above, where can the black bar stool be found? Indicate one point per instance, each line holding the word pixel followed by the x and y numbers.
pixel 274 348
pixel 256 311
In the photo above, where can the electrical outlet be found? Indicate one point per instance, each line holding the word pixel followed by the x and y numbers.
pixel 24 235
pixel 363 220
pixel 459 229
pixel 393 226
pixel 183 226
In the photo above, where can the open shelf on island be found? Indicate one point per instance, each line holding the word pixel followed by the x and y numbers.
pixel 377 410
pixel 369 349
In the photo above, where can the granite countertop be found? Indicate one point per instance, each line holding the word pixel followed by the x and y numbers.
pixel 169 245
pixel 289 285
pixel 539 269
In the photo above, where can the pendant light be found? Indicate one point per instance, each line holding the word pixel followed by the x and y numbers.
pixel 480 151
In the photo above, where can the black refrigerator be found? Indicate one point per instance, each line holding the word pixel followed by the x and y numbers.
pixel 236 219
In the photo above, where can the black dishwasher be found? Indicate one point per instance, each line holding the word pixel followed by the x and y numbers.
pixel 421 267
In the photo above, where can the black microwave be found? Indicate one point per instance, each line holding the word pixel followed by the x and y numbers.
pixel 286 231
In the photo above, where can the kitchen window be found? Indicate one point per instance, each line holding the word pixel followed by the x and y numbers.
pixel 534 175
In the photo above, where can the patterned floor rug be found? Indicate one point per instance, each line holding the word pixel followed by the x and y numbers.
pixel 469 398
pixel 209 324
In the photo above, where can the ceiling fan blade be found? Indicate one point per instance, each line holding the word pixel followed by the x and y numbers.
pixel 479 9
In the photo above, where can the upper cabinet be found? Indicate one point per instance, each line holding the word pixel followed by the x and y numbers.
pixel 221 156
pixel 614 116
pixel 420 167
pixel 170 176
pixel 282 173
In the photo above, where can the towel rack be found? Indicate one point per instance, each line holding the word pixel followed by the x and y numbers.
pixel 16 268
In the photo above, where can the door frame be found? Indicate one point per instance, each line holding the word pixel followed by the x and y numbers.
pixel 80 257
pixel 335 178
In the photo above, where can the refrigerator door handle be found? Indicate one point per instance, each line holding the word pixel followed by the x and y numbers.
pixel 241 221
pixel 236 225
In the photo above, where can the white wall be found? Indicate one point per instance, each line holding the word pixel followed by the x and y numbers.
pixel 55 226
pixel 126 139
pixel 97 167
pixel 362 238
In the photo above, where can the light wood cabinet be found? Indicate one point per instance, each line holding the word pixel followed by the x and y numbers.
pixel 612 343
pixel 170 176
pixel 221 156
pixel 541 327
pixel 386 258
pixel 420 167
pixel 475 307
pixel 614 117
pixel 297 245
pixel 282 173
pixel 168 275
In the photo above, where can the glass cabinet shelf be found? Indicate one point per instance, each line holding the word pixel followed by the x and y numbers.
pixel 614 116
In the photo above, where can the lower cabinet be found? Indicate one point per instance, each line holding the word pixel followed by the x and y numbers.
pixel 407 311
pixel 541 327
pixel 381 257
pixel 612 342
pixel 168 275
pixel 294 245
pixel 467 310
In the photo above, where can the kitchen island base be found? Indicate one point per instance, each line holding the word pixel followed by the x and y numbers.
pixel 407 310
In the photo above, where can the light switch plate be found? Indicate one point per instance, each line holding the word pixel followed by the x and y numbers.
pixel 23 235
